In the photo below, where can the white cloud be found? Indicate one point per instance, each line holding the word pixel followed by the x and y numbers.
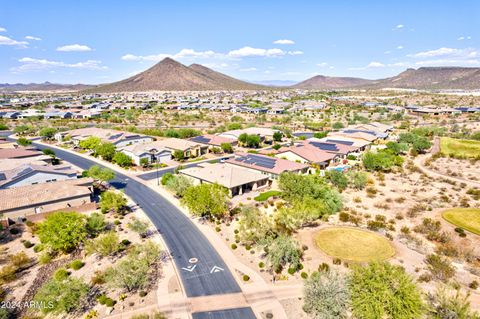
pixel 449 62
pixel 371 65
pixel 8 41
pixel 184 53
pixel 3 29
pixel 400 47
pixel 325 65
pixel 283 41
pixel 295 52
pixel 30 37
pixel 74 48
pixel 464 38
pixel 467 53
pixel 375 64
pixel 32 64
pixel 399 26
pixel 248 69
pixel 249 51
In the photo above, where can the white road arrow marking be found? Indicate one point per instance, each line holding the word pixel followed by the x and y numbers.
pixel 190 268
pixel 216 269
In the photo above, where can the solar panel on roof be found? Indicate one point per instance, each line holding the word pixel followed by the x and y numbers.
pixel 340 142
pixel 200 139
pixel 325 146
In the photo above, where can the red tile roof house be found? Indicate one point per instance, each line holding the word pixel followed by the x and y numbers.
pixel 316 152
pixel 213 140
pixel 267 165
pixel 30 200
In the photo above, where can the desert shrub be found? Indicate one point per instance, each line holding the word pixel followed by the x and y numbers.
pixel 63 231
pixel 61 274
pixel 381 290
pixel 104 245
pixel 440 267
pixel 20 259
pixel 246 277
pixel 450 303
pixel 64 295
pixel 326 295
pixel 76 264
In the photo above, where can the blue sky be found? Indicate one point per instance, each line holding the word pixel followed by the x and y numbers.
pixel 103 41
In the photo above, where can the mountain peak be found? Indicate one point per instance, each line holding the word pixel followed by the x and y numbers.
pixel 170 75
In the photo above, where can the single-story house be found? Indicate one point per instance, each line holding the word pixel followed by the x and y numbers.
pixel 41 198
pixel 189 148
pixel 213 140
pixel 118 138
pixel 360 144
pixel 311 152
pixel 270 166
pixel 264 133
pixel 154 152
pixel 236 179
pixel 29 174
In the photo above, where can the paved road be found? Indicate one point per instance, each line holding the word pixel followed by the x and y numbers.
pixel 240 313
pixel 182 237
pixel 153 174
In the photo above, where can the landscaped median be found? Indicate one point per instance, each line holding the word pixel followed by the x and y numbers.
pixel 354 245
pixel 466 218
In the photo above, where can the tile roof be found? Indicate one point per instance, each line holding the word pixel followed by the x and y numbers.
pixel 253 161
pixel 38 194
pixel 225 175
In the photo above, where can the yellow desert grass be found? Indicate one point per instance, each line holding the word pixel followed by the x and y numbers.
pixel 460 148
pixel 466 218
pixel 353 244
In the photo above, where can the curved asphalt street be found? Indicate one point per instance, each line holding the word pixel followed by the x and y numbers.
pixel 208 276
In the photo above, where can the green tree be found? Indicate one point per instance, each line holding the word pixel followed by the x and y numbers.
pixel 326 295
pixel 61 296
pixel 253 225
pixel 22 129
pixel 105 245
pixel 96 224
pixel 338 179
pixel 253 141
pixel 421 144
pixel 63 231
pixel 282 251
pixel 105 150
pixel 397 148
pixel 90 143
pixel 139 226
pixel 380 161
pixel 320 134
pixel 101 174
pixel 166 177
pixel 112 202
pixel 299 213
pixel 3 127
pixel 179 155
pixel 49 152
pixel 381 290
pixel 132 272
pixel 226 147
pixel 358 179
pixel 22 141
pixel 47 133
pixel 144 162
pixel 178 184
pixel 277 136
pixel 122 159
pixel 338 125
pixel 206 200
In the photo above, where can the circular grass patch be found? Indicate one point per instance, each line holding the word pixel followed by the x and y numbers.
pixel 353 244
pixel 466 218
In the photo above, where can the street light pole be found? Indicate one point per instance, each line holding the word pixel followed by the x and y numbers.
pixel 158 164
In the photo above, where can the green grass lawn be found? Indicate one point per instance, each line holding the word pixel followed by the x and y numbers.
pixel 455 147
pixel 353 244
pixel 266 195
pixel 466 218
